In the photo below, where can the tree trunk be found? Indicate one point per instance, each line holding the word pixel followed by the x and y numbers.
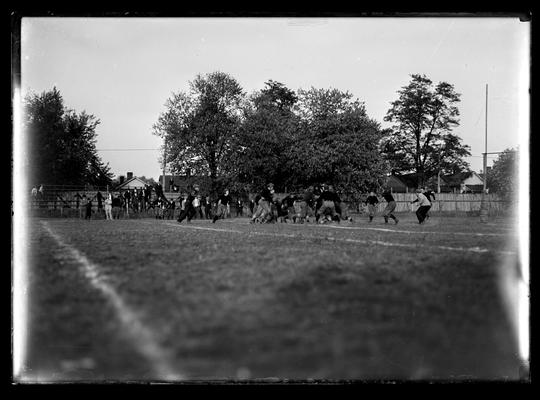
pixel 213 179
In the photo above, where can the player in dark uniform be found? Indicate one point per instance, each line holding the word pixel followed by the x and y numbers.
pixel 371 203
pixel 263 202
pixel 223 201
pixel 429 194
pixel 188 211
pixel 326 205
pixel 304 205
pixel 286 208
pixel 390 206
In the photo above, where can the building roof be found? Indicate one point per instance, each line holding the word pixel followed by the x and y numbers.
pixel 132 183
pixel 406 180
pixel 461 177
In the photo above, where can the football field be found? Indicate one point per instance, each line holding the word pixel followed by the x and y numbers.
pixel 147 299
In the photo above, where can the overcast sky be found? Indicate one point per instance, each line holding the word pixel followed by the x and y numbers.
pixel 123 70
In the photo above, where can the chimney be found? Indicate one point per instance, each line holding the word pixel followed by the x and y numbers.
pixel 129 175
pixel 122 178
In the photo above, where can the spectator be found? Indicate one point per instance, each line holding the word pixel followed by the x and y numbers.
pixel 140 199
pixel 159 190
pixel 251 206
pixel 78 198
pixel 88 207
pixel 108 207
pixel 208 207
pixel 134 202
pixel 197 206
pixel 34 194
pixel 127 201
pixel 116 206
pixel 172 207
pixel 158 209
pixel 147 196
pixel 99 198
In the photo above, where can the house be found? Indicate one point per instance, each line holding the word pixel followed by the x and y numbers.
pixel 396 184
pixel 405 183
pixel 464 182
pixel 132 182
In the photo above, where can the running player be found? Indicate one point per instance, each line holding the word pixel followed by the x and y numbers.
pixel 189 210
pixel 424 206
pixel 223 201
pixel 371 203
pixel 390 206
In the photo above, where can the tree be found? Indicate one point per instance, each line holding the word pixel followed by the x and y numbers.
pixel 337 143
pixel 199 127
pixel 62 143
pixel 502 178
pixel 265 136
pixel 148 181
pixel 421 138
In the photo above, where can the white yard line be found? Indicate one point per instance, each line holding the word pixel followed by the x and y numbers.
pixel 402 231
pixel 379 242
pixel 142 336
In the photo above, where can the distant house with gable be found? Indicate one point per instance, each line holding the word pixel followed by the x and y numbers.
pixel 464 182
pixel 406 183
pixel 132 182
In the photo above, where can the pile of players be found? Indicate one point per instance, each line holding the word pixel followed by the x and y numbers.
pixel 322 204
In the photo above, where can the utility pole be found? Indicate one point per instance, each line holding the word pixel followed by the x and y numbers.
pixel 483 206
pixel 164 163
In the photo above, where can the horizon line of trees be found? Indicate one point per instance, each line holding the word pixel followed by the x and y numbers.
pixel 298 138
pixel 293 139
pixel 62 143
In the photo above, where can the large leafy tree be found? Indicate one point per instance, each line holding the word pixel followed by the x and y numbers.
pixel 336 143
pixel 62 143
pixel 265 137
pixel 502 178
pixel 199 126
pixel 421 138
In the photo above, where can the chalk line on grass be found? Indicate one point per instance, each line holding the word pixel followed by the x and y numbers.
pixel 142 337
pixel 403 231
pixel 379 242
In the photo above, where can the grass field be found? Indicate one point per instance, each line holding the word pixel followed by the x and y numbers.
pixel 146 299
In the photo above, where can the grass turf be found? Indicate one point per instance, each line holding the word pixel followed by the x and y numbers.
pixel 232 300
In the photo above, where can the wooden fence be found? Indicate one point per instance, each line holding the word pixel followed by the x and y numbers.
pixel 450 202
pixel 64 203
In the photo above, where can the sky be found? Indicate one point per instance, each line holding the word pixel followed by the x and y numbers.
pixel 122 70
